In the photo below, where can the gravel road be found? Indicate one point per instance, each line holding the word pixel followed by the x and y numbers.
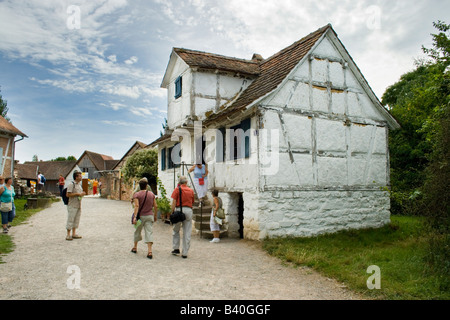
pixel 46 266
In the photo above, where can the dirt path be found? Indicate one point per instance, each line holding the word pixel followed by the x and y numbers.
pixel 232 269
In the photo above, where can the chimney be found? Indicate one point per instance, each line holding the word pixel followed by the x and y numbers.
pixel 257 57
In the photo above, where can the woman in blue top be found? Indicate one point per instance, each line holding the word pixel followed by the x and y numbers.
pixel 7 196
pixel 200 172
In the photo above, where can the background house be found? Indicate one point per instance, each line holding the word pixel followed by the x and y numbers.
pixel 113 186
pixel 91 164
pixel 51 170
pixel 8 133
pixel 296 143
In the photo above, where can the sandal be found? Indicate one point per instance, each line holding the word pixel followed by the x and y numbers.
pixel 75 236
pixel 150 255
pixel 134 250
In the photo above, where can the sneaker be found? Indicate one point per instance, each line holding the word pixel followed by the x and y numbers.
pixel 175 252
pixel 215 240
pixel 5 230
pixel 184 257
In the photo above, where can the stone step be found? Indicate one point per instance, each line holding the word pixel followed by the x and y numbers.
pixel 207 234
pixel 204 225
pixel 206 217
pixel 196 210
pixel 205 203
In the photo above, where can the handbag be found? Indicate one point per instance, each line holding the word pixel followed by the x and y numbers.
pixel 220 213
pixel 6 206
pixel 139 211
pixel 218 220
pixel 178 216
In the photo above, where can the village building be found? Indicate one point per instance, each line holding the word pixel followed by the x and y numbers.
pixel 91 164
pixel 297 144
pixel 114 186
pixel 8 134
pixel 27 172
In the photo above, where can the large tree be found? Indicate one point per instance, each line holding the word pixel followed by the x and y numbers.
pixel 3 107
pixel 142 163
pixel 415 102
pixel 420 151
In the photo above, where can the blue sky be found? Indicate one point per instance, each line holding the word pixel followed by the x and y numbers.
pixel 91 81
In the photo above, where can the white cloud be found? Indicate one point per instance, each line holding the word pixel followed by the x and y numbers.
pixel 132 60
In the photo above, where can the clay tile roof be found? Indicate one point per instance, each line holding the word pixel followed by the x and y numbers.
pixel 273 71
pixel 212 61
pixel 50 169
pixel 9 128
pixel 100 161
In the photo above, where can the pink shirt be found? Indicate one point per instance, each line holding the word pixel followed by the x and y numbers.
pixel 147 207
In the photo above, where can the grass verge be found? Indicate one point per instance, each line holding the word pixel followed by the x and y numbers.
pixel 6 242
pixel 397 249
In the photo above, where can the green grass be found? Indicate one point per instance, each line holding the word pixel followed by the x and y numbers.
pixel 6 242
pixel 397 249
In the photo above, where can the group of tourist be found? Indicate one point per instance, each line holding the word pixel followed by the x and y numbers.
pixel 145 208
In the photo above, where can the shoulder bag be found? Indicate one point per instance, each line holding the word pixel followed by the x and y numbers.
pixel 178 216
pixel 6 206
pixel 220 213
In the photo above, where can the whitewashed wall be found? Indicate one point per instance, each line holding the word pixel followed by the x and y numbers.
pixel 332 159
pixel 333 156
pixel 179 109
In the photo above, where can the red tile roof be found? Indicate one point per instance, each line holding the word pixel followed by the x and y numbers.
pixel 273 71
pixel 205 60
pixel 9 128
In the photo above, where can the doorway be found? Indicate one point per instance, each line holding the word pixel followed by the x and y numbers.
pixel 241 215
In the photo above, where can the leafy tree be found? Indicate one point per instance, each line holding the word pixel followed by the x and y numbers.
pixel 142 163
pixel 164 126
pixel 69 158
pixel 3 107
pixel 419 151
pixel 413 101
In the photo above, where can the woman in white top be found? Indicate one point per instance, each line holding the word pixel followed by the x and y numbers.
pixel 200 172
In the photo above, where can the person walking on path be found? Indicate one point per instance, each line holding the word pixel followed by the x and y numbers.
pixel 94 187
pixel 214 226
pixel 145 207
pixel 187 200
pixel 200 179
pixel 61 183
pixel 75 194
pixel 40 182
pixel 7 203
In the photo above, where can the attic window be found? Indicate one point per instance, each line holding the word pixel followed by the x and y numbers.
pixel 178 87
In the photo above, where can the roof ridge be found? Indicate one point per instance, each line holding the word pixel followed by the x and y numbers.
pixel 296 43
pixel 191 51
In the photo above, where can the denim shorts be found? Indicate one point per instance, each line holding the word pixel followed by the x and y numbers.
pixel 7 217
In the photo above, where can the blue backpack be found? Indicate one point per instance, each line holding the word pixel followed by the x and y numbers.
pixel 43 178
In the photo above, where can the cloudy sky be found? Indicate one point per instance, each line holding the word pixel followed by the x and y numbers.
pixel 86 75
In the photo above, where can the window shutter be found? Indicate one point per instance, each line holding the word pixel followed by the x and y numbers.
pixel 163 159
pixel 246 126
pixel 220 145
pixel 178 87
